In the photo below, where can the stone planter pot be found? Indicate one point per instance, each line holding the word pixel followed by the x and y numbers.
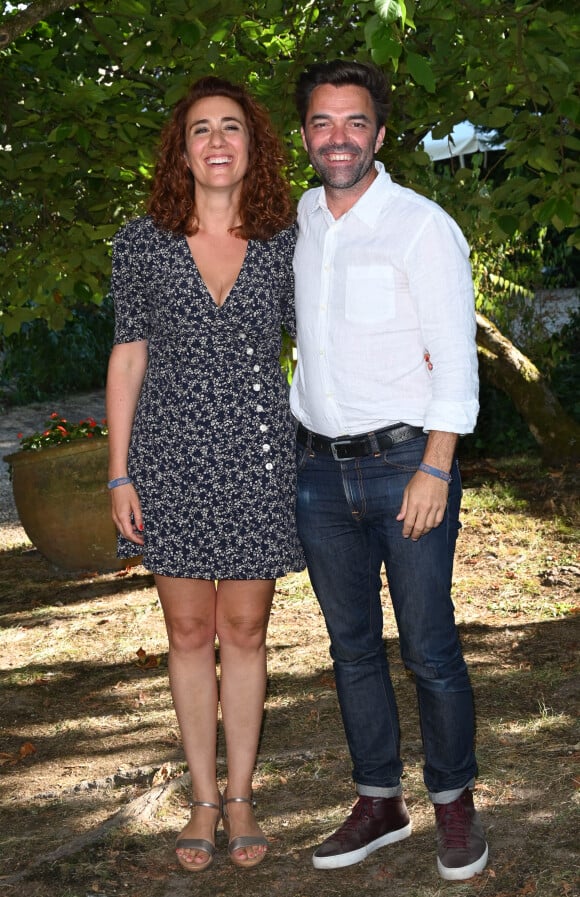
pixel 63 503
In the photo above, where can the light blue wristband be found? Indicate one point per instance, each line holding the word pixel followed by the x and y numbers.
pixel 119 481
pixel 435 472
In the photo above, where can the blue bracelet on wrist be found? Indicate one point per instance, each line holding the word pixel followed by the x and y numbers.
pixel 435 472
pixel 119 481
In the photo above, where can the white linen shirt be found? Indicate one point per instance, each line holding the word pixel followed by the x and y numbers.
pixel 377 290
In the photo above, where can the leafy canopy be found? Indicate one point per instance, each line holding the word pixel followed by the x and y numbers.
pixel 87 86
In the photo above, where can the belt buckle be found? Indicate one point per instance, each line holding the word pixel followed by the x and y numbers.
pixel 339 442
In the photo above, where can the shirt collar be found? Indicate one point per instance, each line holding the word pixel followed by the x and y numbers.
pixel 368 207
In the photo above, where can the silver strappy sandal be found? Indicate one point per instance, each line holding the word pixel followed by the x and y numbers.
pixel 243 841
pixel 199 843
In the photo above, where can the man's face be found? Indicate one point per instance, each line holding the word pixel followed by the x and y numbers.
pixel 340 136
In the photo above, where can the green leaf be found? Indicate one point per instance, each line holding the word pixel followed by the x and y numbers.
pixel 559 64
pixel 175 93
pixel 555 209
pixel 540 157
pixel 421 71
pixel 189 32
pixel 391 10
pixel 27 121
pixel 60 134
pixel 220 34
pixel 84 137
pixel 373 25
pixel 133 6
pixel 508 224
pixel 498 117
pixel 386 49
pixel 569 107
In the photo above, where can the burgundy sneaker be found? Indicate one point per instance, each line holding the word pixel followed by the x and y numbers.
pixel 373 822
pixel 461 845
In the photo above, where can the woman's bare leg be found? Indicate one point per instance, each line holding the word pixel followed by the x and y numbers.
pixel 243 611
pixel 189 608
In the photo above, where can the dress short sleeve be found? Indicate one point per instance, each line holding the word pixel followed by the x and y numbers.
pixel 129 282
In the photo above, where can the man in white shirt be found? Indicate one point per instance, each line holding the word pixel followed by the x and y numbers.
pixel 386 380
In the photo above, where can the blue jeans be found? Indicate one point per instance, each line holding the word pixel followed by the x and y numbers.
pixel 347 523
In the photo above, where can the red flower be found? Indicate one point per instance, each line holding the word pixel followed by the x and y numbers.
pixel 59 430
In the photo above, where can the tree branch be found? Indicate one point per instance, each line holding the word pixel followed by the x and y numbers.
pixel 14 26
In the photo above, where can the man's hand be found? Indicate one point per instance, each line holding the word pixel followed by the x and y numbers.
pixel 424 505
pixel 425 498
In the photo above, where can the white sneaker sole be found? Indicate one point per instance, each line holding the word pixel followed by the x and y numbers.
pixel 464 872
pixel 340 860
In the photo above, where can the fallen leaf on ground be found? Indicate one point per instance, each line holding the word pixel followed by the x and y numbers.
pixel 148 661
pixel 25 750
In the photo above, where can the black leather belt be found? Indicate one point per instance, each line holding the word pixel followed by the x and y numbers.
pixel 344 448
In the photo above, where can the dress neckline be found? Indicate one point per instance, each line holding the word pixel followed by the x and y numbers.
pixel 207 290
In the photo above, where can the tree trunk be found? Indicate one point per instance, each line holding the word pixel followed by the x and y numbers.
pixel 510 370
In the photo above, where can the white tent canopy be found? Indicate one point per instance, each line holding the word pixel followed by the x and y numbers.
pixel 464 139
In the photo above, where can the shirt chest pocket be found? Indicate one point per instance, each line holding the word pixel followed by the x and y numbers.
pixel 370 294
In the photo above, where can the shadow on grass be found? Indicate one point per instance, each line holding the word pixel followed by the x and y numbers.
pixel 86 716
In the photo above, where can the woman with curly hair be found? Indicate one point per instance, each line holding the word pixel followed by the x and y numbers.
pixel 202 470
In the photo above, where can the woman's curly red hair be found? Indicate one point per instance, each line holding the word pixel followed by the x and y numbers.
pixel 265 205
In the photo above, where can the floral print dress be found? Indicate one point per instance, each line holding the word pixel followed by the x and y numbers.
pixel 212 447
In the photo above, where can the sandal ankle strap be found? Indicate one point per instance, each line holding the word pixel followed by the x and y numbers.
pixel 240 800
pixel 205 803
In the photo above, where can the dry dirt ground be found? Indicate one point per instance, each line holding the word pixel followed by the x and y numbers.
pixel 92 781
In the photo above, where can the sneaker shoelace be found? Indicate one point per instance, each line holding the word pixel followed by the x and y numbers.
pixel 359 811
pixel 454 823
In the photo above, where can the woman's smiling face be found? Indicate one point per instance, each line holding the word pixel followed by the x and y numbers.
pixel 217 142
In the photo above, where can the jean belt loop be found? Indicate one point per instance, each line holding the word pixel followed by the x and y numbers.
pixel 374 444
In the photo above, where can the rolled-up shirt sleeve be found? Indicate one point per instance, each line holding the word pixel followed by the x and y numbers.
pixel 441 285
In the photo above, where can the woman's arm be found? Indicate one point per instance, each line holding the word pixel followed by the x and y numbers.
pixel 126 372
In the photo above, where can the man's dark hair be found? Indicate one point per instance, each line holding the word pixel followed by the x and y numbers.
pixel 340 73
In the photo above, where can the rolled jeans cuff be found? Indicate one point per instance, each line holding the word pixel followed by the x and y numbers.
pixel 375 791
pixel 447 797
